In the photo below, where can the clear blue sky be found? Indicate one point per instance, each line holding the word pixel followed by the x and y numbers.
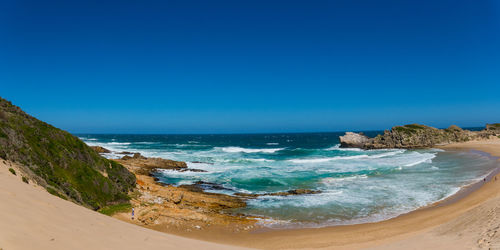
pixel 251 66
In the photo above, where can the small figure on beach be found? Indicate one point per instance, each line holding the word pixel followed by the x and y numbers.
pixel 133 213
pixel 484 179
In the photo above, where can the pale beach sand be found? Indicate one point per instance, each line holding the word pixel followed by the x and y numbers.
pixel 32 218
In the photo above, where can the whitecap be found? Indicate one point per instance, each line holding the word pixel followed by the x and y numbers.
pixel 391 153
pixel 250 150
pixel 272 143
pixel 427 159
pixel 337 147
pixel 118 143
pixel 258 160
pixel 329 180
pixel 317 160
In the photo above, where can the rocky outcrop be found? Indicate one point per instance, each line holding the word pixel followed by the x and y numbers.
pixel 416 136
pixel 145 165
pixel 161 205
pixel 100 149
pixel 495 127
pixel 353 140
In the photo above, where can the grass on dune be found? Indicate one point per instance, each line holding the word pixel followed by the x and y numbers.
pixel 113 209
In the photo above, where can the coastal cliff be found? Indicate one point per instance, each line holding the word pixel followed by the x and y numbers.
pixel 416 136
pixel 60 162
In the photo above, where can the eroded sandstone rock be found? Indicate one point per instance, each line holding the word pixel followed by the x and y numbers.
pixel 100 149
pixel 144 165
pixel 353 140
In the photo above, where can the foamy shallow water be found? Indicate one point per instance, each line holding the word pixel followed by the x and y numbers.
pixel 356 185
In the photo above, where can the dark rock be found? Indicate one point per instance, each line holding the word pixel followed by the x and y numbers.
pixel 202 185
pixel 287 193
pixel 202 162
pixel 125 153
pixel 190 170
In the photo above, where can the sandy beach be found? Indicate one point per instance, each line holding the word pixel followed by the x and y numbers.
pixel 34 219
pixel 469 220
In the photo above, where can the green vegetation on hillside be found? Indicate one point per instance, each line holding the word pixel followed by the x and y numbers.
pixel 67 165
pixel 113 209
pixel 494 126
pixel 408 129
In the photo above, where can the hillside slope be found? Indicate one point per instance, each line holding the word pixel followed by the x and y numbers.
pixel 61 162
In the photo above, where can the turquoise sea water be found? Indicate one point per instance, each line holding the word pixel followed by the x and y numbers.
pixel 356 185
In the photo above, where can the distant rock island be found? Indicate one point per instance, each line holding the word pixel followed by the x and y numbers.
pixel 417 136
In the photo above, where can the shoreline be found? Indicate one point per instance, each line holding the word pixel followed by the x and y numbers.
pixel 365 234
pixel 454 197
pixel 468 219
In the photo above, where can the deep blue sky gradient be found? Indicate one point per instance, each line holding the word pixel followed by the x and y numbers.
pixel 251 66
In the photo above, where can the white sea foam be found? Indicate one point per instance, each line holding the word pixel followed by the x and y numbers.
pixel 351 157
pixel 118 143
pixel 427 158
pixel 337 147
pixel 391 153
pixel 259 160
pixel 326 159
pixel 250 150
pixel 299 201
pixel 329 180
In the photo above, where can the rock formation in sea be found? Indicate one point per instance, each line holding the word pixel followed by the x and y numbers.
pixel 353 140
pixel 286 193
pixel 147 165
pixel 416 136
pixel 100 149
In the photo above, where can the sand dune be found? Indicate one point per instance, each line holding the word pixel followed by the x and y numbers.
pixel 31 218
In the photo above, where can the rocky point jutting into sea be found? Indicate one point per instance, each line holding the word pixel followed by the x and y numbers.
pixel 416 136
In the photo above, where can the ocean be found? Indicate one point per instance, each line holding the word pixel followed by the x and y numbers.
pixel 357 186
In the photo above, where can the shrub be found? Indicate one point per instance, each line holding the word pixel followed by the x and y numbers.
pixel 12 171
pixel 113 209
pixel 54 192
pixel 25 180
